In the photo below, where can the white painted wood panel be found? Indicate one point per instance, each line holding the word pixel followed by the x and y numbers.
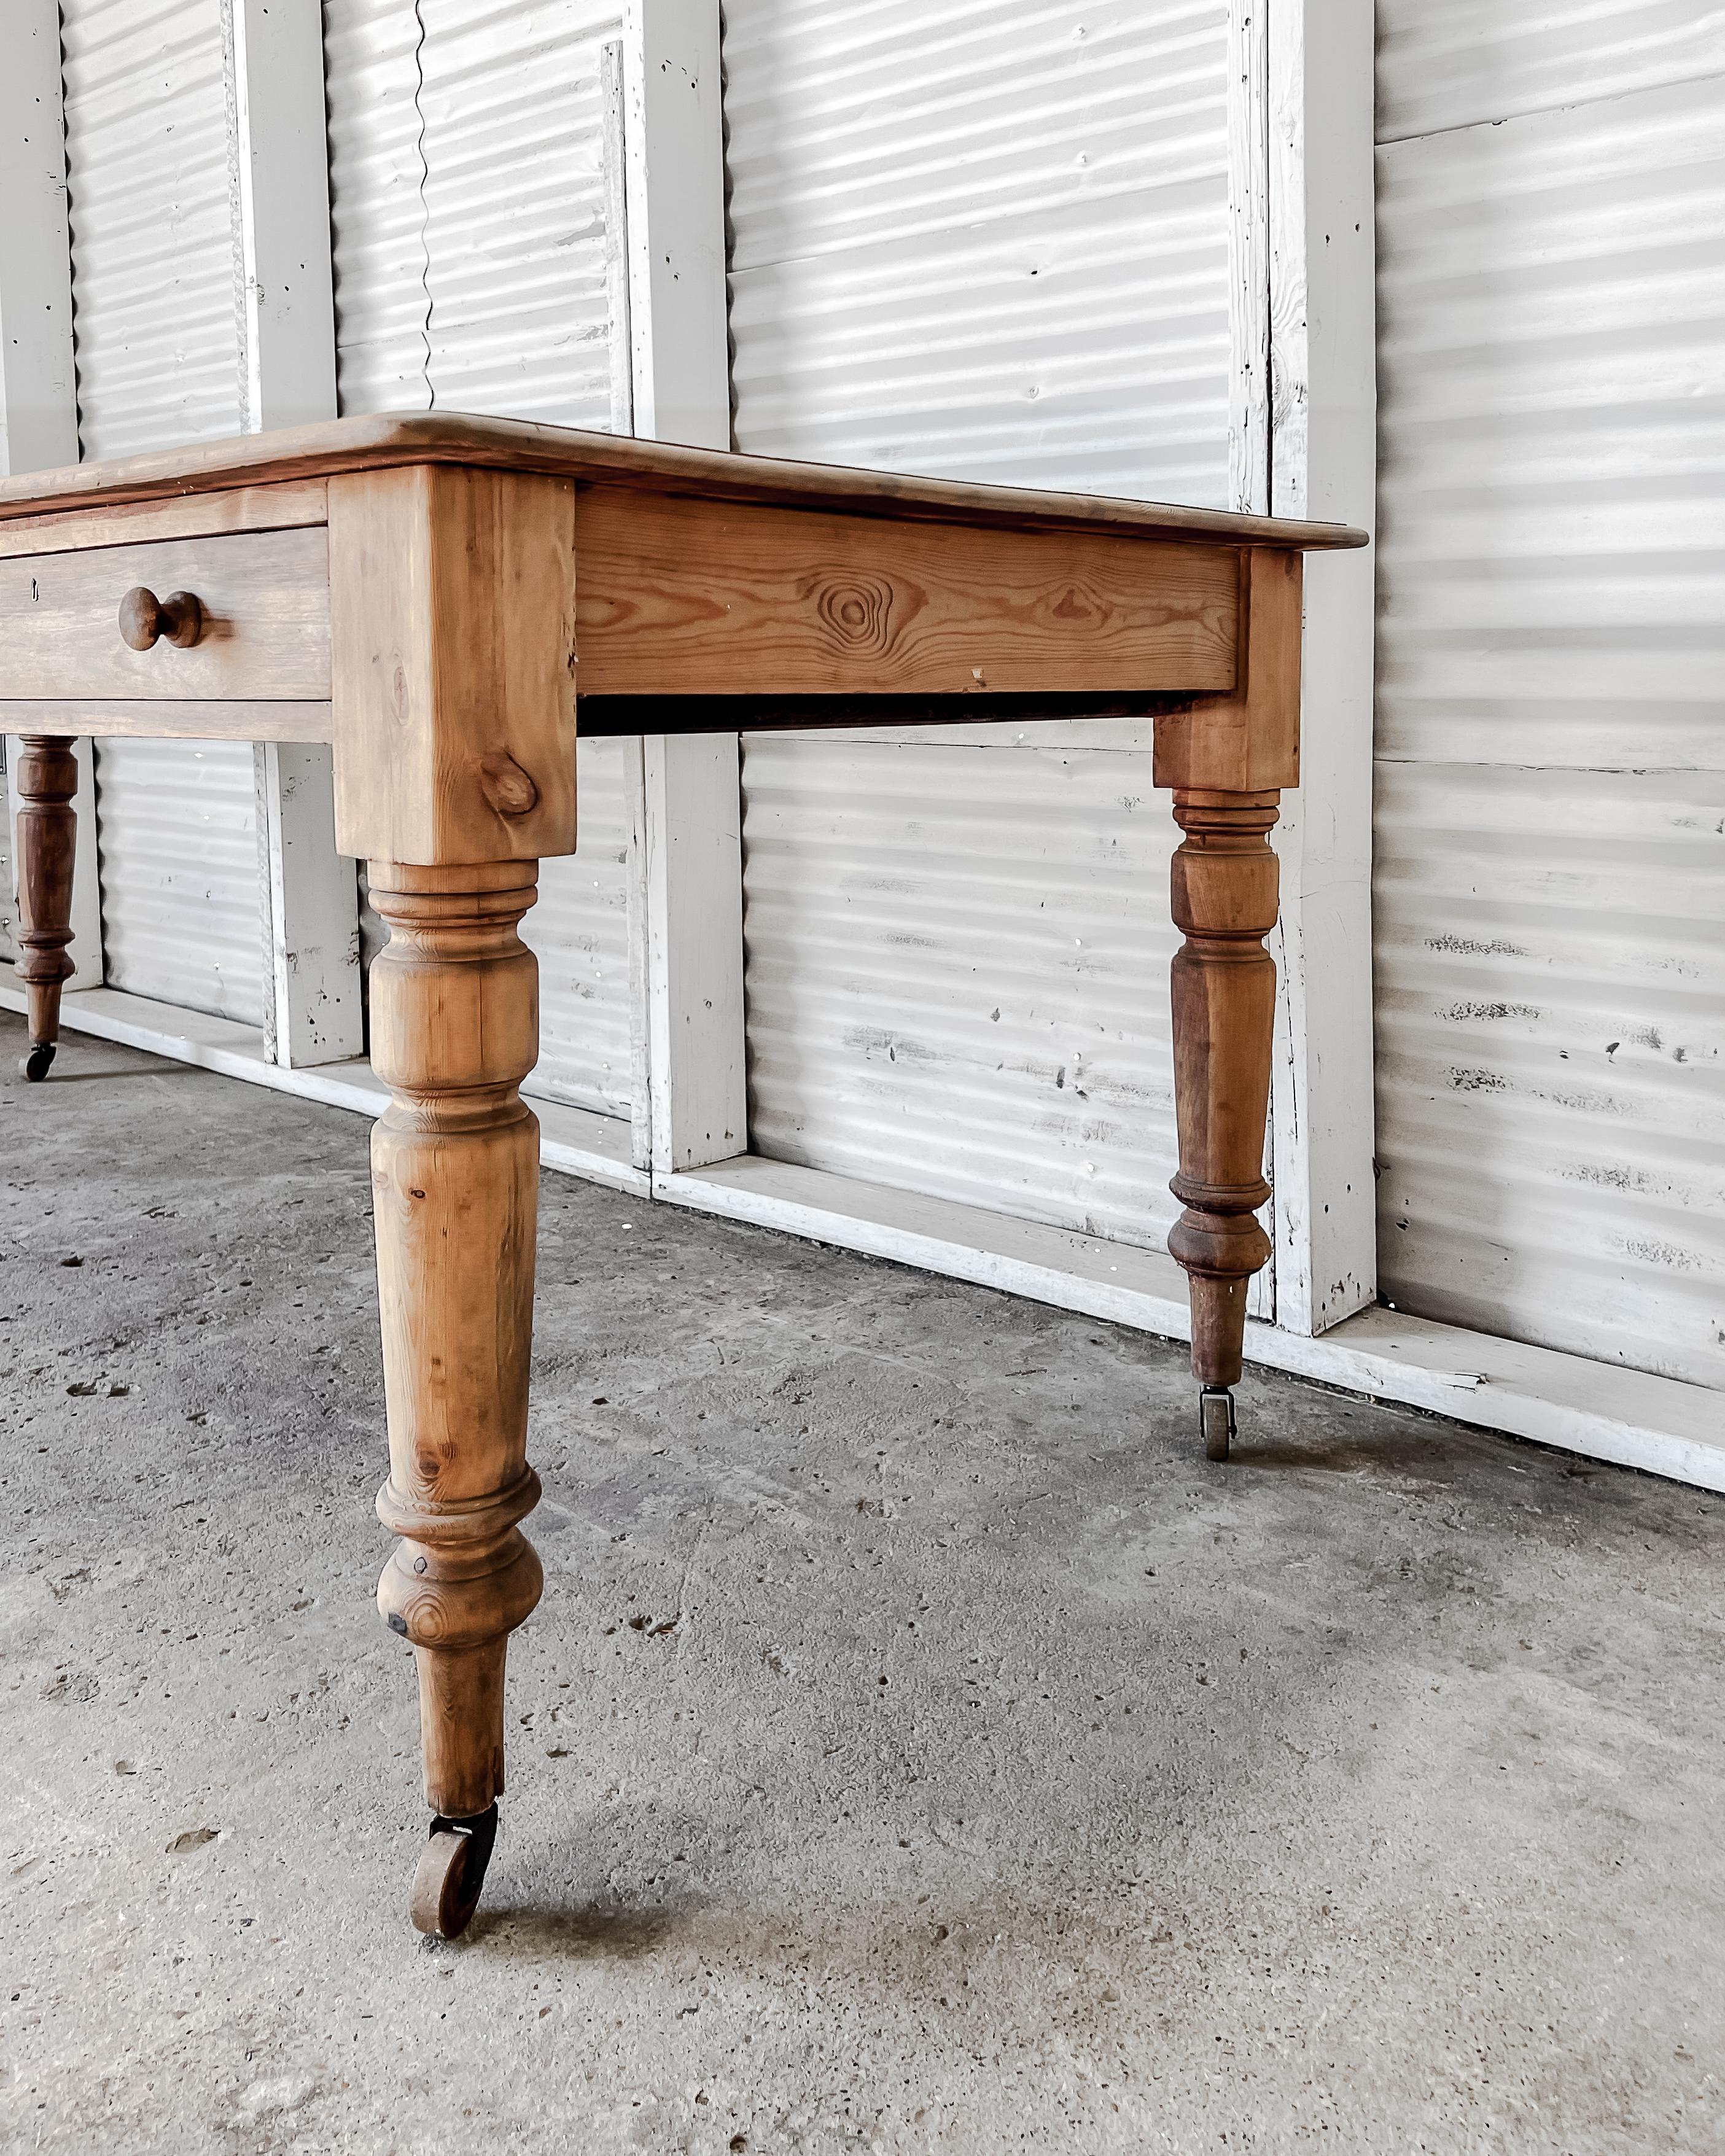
pixel 1322 444
pixel 38 410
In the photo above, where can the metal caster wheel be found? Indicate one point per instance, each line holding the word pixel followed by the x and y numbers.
pixel 1216 1419
pixel 34 1065
pixel 452 1874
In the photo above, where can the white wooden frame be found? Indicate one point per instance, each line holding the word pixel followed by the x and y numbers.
pixel 39 395
pixel 40 414
pixel 279 161
pixel 1318 70
pixel 691 1097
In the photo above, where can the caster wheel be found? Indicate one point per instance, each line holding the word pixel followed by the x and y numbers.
pixel 34 1065
pixel 1216 1419
pixel 452 1874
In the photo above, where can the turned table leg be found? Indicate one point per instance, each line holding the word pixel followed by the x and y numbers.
pixel 455 1174
pixel 47 839
pixel 1224 902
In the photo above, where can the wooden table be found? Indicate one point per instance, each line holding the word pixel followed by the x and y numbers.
pixel 438 597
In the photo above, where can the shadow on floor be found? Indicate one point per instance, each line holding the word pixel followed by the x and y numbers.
pixel 583 1932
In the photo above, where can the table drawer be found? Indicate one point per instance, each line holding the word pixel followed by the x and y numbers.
pixel 264 597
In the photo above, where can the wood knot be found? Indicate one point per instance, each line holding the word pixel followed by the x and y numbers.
pixel 857 611
pixel 510 790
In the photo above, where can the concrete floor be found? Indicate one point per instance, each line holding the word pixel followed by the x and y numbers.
pixel 919 1746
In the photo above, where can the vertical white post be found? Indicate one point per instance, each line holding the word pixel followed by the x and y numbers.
pixel 40 416
pixel 613 91
pixel 691 871
pixel 1323 451
pixel 693 957
pixel 1249 371
pixel 39 392
pixel 1248 258
pixel 673 133
pixel 278 163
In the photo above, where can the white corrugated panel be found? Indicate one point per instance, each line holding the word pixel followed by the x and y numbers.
pixel 983 239
pixel 468 195
pixel 1473 60
pixel 957 968
pixel 157 333
pixel 1550 892
pixel 467 175
pixel 157 340
pixel 377 203
pixel 580 929
pixel 986 240
pixel 179 847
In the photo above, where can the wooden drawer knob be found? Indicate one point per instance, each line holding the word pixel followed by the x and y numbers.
pixel 145 619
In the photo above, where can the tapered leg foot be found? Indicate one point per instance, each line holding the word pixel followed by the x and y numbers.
pixel 47 838
pixel 456 1181
pixel 1224 995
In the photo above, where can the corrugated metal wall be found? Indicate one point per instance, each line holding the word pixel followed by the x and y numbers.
pixel 988 240
pixel 157 340
pixel 468 195
pixel 983 239
pixel 580 929
pixel 179 854
pixel 958 973
pixel 1550 889
pixel 152 234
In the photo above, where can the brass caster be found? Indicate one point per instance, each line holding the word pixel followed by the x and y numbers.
pixel 34 1065
pixel 452 1874
pixel 1216 1419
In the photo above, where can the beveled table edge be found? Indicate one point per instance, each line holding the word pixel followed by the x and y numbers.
pixel 367 443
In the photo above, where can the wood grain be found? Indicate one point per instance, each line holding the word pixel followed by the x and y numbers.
pixel 378 441
pixel 265 634
pixel 453 598
pixel 1248 742
pixel 456 1190
pixel 101 523
pixel 1223 901
pixel 680 596
pixel 169 721
pixel 47 787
